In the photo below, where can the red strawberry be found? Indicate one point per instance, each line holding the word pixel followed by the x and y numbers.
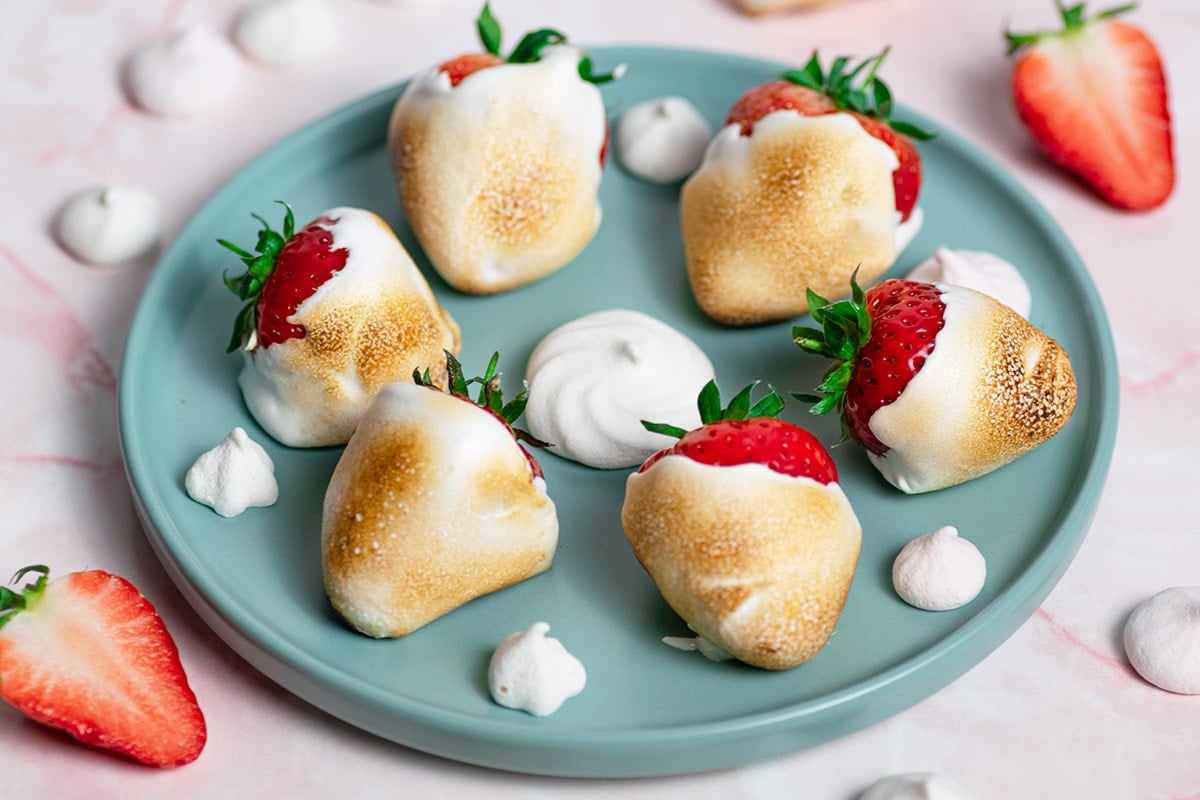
pixel 87 654
pixel 490 399
pixel 287 270
pixel 1000 388
pixel 527 50
pixel 1094 97
pixel 745 434
pixel 812 92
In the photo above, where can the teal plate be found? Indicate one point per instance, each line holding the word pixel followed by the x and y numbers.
pixel 648 709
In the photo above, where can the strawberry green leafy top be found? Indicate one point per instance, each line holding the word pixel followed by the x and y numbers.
pixel 490 397
pixel 530 48
pixel 13 602
pixel 1074 21
pixel 739 408
pixel 869 96
pixel 259 267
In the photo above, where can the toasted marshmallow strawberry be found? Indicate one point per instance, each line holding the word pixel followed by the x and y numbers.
pixel 336 311
pixel 808 175
pixel 940 383
pixel 746 532
pixel 432 504
pixel 498 160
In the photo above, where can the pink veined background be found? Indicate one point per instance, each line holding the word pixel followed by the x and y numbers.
pixel 1054 712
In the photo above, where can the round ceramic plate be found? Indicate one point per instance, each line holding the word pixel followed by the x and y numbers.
pixel 648 709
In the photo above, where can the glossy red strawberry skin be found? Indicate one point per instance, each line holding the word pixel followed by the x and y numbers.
pixel 784 95
pixel 783 447
pixel 465 65
pixel 1095 101
pixel 906 317
pixel 307 261
pixel 91 656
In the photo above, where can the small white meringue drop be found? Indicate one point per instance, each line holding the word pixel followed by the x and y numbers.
pixel 662 140
pixel 983 272
pixel 284 33
pixel 915 786
pixel 939 571
pixel 1162 639
pixel 185 73
pixel 235 475
pixel 533 672
pixel 107 225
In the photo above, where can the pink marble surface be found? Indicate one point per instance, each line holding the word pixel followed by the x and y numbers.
pixel 1054 712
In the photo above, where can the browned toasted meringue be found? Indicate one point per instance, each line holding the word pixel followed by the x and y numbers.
pixel 756 562
pixel 799 204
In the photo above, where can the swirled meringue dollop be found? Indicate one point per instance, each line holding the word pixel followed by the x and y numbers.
pixel 662 140
pixel 915 786
pixel 939 571
pixel 980 271
pixel 593 380
pixel 533 672
pixel 1162 639
pixel 235 475
pixel 109 224
pixel 284 33
pixel 185 73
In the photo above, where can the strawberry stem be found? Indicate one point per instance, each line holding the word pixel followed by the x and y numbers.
pixel 490 396
pixel 529 49
pixel 709 404
pixel 844 332
pixel 259 268
pixel 868 96
pixel 13 602
pixel 1074 20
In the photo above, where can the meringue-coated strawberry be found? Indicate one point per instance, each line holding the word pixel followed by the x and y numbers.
pixel 1094 97
pixel 940 383
pixel 86 653
pixel 858 91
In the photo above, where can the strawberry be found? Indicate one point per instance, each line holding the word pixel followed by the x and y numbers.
pixel 529 49
pixel 1000 386
pixel 86 653
pixel 1094 97
pixel 757 562
pixel 490 399
pixel 433 504
pixel 813 92
pixel 745 434
pixel 287 270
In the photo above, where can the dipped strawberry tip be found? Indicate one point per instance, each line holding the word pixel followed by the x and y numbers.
pixel 490 396
pixel 1074 20
pixel 711 410
pixel 856 88
pixel 844 332
pixel 260 265
pixel 529 49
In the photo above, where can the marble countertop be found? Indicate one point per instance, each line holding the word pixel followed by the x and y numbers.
pixel 1056 711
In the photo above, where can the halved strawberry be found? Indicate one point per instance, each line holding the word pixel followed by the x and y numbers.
pixel 529 49
pixel 490 399
pixel 812 92
pixel 86 653
pixel 742 433
pixel 288 269
pixel 1094 97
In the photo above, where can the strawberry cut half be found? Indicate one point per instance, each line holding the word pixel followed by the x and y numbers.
pixel 879 340
pixel 741 433
pixel 1093 96
pixel 856 90
pixel 89 655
